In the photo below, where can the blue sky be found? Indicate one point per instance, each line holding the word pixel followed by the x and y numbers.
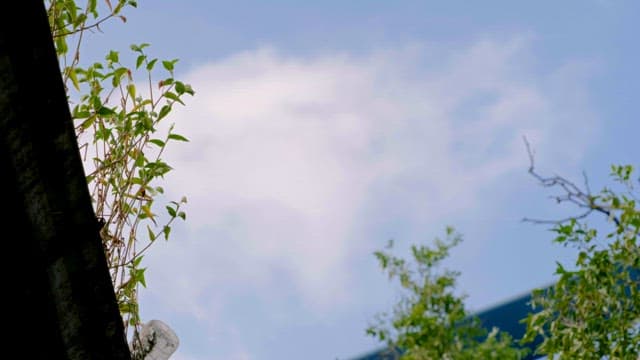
pixel 322 129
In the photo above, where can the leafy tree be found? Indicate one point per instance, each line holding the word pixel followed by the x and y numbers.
pixel 118 121
pixel 593 311
pixel 430 321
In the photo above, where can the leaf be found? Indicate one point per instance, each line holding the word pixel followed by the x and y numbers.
pixel 140 277
pixel 131 89
pixel 165 82
pixel 61 45
pixel 138 48
pixel 178 137
pixel 80 20
pixel 119 7
pixel 173 96
pixel 147 211
pixel 168 65
pixel 188 89
pixel 105 111
pixel 157 142
pixel 91 6
pixel 117 75
pixel 74 78
pixel 182 215
pixel 112 56
pixel 180 88
pixel 137 261
pixel 171 211
pixel 166 230
pixel 152 236
pixel 87 123
pixel 151 63
pixel 140 60
pixel 81 114
pixel 140 159
pixel 164 111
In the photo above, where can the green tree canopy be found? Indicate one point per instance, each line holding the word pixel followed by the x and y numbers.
pixel 592 312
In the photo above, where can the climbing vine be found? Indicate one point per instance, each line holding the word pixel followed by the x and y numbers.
pixel 120 125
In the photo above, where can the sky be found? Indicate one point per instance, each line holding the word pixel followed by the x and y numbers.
pixel 322 129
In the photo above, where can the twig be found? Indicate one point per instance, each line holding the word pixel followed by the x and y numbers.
pixel 573 193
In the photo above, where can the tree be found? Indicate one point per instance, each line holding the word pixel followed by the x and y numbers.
pixel 118 124
pixel 592 312
pixel 430 321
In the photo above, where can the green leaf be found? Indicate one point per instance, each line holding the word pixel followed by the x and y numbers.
pixel 182 215
pixel 87 123
pixel 168 65
pixel 105 111
pixel 151 63
pixel 117 75
pixel 91 6
pixel 152 236
pixel 146 211
pixel 157 142
pixel 61 45
pixel 140 277
pixel 119 7
pixel 74 78
pixel 139 48
pixel 166 230
pixel 140 159
pixel 180 88
pixel 81 114
pixel 188 89
pixel 164 111
pixel 137 261
pixel 131 89
pixel 173 96
pixel 178 137
pixel 80 20
pixel 140 60
pixel 171 211
pixel 112 56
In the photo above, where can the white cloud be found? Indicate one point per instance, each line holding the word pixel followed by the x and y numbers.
pixel 287 152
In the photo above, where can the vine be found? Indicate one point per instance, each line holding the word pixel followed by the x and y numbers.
pixel 119 126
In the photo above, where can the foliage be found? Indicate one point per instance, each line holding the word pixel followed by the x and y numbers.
pixel 593 311
pixel 430 321
pixel 118 124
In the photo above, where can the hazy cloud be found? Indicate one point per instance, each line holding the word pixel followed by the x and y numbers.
pixel 288 152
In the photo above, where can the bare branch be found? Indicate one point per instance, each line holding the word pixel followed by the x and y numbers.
pixel 572 193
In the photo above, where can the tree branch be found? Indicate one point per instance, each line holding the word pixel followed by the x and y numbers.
pixel 572 193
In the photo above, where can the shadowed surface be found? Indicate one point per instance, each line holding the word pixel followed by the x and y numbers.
pixel 61 303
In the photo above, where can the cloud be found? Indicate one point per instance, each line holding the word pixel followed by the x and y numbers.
pixel 288 155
